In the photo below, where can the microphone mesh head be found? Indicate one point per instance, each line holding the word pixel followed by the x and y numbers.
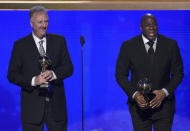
pixel 82 41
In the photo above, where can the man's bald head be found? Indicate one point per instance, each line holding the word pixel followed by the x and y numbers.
pixel 148 15
pixel 149 26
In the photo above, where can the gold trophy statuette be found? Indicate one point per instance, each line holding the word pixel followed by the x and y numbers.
pixel 45 64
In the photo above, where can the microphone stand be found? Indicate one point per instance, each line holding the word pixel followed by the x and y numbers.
pixel 82 41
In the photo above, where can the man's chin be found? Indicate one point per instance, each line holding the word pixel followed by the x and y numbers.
pixel 151 37
pixel 42 35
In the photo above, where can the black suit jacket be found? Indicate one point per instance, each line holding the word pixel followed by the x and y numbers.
pixel 24 64
pixel 166 71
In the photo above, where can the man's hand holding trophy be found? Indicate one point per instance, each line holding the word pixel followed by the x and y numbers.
pixel 46 75
pixel 145 94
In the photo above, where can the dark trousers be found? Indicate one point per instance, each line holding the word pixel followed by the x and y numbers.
pixel 51 124
pixel 143 121
pixel 158 125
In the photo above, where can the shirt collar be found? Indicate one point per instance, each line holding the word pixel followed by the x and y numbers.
pixel 37 40
pixel 145 40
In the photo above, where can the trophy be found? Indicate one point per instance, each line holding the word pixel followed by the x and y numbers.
pixel 45 63
pixel 145 88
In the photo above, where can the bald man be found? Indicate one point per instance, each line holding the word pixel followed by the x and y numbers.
pixel 156 57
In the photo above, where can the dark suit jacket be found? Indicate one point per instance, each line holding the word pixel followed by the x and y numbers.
pixel 166 71
pixel 24 64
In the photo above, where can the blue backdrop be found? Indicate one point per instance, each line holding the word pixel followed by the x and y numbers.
pixel 104 101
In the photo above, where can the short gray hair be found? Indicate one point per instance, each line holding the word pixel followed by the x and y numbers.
pixel 37 8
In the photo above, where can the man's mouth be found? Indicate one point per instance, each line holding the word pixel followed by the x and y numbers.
pixel 43 30
pixel 151 34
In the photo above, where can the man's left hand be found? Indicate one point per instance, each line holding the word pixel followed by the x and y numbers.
pixel 48 75
pixel 157 101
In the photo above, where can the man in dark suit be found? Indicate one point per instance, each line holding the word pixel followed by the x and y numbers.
pixel 39 104
pixel 156 57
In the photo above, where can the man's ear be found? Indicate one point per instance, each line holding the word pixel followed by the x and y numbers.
pixel 31 24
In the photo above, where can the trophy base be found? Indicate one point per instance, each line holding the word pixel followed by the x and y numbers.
pixel 44 85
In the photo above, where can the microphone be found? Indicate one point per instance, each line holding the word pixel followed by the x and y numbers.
pixel 82 41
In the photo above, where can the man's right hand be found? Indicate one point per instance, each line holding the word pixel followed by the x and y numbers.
pixel 40 80
pixel 139 98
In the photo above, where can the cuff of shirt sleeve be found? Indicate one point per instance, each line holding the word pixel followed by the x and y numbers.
pixel 54 76
pixel 133 96
pixel 165 91
pixel 33 81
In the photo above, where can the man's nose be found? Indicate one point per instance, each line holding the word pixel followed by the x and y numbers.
pixel 151 27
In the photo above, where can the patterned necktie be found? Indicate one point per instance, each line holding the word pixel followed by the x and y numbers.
pixel 150 50
pixel 41 48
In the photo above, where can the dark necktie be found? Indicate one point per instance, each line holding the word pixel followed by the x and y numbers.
pixel 41 48
pixel 150 50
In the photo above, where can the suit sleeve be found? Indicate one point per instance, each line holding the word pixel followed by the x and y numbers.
pixel 65 67
pixel 15 71
pixel 177 72
pixel 122 71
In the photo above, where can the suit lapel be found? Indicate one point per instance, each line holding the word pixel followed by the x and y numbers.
pixel 159 48
pixel 49 46
pixel 142 49
pixel 33 48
